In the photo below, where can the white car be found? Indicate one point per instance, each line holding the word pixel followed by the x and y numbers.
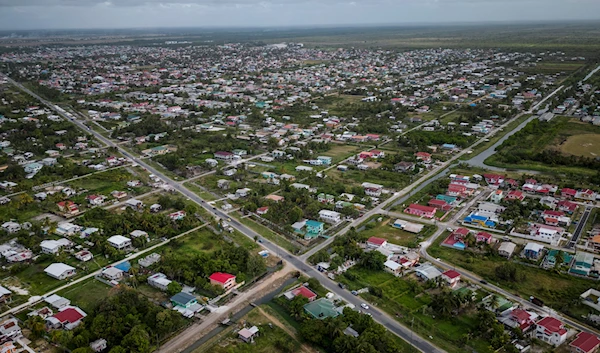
pixel 364 306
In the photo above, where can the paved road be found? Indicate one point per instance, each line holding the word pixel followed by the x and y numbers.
pixel 478 160
pixel 297 262
pixel 580 227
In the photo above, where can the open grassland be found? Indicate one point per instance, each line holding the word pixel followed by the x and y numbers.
pixel 587 145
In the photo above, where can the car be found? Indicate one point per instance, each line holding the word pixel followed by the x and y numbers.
pixel 354 292
pixel 483 281
pixel 341 285
pixel 259 240
pixel 364 306
pixel 228 219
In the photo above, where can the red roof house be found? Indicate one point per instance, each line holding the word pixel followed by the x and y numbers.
pixel 522 318
pixel 263 210
pixel 451 277
pixel 568 193
pixel 375 242
pixel 223 280
pixel 585 343
pixel 424 156
pixel 68 318
pixel 515 195
pixel 551 330
pixel 420 210
pixel 305 292
pixel 484 237
pixel 439 204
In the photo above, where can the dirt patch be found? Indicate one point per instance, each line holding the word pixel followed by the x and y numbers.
pixel 304 347
pixel 586 145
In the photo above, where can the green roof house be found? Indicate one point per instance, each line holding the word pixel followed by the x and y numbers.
pixel 583 264
pixel 321 309
pixel 184 300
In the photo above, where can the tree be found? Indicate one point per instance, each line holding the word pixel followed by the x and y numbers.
pixel 83 350
pixel 315 285
pixel 372 260
pixel 173 288
pixel 296 306
pixel 137 340
pixel 36 325
pixel 118 349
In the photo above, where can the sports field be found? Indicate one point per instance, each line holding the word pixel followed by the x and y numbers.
pixel 587 145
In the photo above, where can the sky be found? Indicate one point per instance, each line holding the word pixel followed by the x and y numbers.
pixel 67 14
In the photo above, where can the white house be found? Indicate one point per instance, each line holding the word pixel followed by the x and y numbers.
pixel 60 271
pixel 159 280
pixel 551 330
pixel 331 217
pixel 393 267
pixel 11 227
pixel 119 242
pixel 112 273
pixel 54 246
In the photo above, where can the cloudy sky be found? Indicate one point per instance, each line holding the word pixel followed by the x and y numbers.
pixel 51 14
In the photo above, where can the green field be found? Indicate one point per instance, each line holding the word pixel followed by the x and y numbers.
pixel 559 291
pixel 86 295
pixel 270 338
pixel 269 234
pixel 587 145
pixel 393 235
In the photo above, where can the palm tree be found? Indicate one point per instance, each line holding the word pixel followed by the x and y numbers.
pixel 494 302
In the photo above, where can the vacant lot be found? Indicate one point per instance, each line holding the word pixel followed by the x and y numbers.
pixel 393 235
pixel 587 145
pixel 87 295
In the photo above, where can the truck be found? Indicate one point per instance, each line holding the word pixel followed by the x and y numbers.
pixel 536 301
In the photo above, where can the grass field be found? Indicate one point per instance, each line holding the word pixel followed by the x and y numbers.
pixel 266 342
pixel 393 235
pixel 269 234
pixel 553 67
pixel 86 295
pixel 587 145
pixel 404 303
pixel 340 152
pixel 559 291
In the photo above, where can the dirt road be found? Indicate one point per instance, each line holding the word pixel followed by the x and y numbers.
pixel 195 332
pixel 304 347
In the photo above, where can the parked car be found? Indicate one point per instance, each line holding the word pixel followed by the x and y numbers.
pixel 364 306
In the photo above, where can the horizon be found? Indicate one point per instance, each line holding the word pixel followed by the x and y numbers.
pixel 24 15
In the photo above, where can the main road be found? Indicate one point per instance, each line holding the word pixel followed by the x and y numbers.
pixel 387 321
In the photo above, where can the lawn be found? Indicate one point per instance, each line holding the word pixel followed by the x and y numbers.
pixel 269 234
pixel 86 295
pixel 202 240
pixel 586 145
pixel 339 152
pixel 384 229
pixel 406 302
pixel 199 191
pixel 266 342
pixel 557 290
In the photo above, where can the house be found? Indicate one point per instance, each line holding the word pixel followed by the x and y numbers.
pixel 223 184
pixel 556 218
pixel 585 342
pixel 330 217
pixel 304 292
pixel 568 193
pixel 183 300
pixel 247 335
pixel 583 264
pixel 493 179
pixel 393 267
pixel 177 216
pixel 118 194
pixel 112 273
pixel 159 280
pixel 68 207
pixel 60 271
pixel 566 206
pixel 10 330
pixel 8 347
pixel 11 227
pixel 96 200
pixel 155 208
pixel 420 210
pixel 377 154
pixel 497 196
pixel 427 272
pixel 139 234
pixel 451 277
pixel 309 228
pixel 439 204
pixel 67 318
pixel 223 280
pixel 374 242
pixel 506 249
pixel 262 210
pixel 98 345
pixel 533 251
pixel 274 198
pixel 404 167
pixel 325 160
pixel 586 195
pixel 423 156
pixel 515 195
pixel 119 242
pixel 457 239
pixel 408 226
pixel 5 295
pixel 33 168
pixel 522 319
pixel 84 255
pixel 483 237
pixel 53 246
pixel 134 204
pixel 321 309
pixel 242 192
pixel 551 331
pixel 224 156
pixel 57 302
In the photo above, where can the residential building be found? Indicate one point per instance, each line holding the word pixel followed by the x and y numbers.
pixel 585 342
pixel 119 242
pixel 223 280
pixel 583 264
pixel 184 300
pixel 67 318
pixel 330 217
pixel 5 295
pixel 451 277
pixel 374 242
pixel 60 271
pixel 224 156
pixel 483 237
pixel 112 273
pixel 420 210
pixel 304 292
pixel 533 251
pixel 159 280
pixel 10 330
pixel 321 309
pixel 506 249
pixel 393 267
pixel 248 334
pixel 98 345
pixel 551 331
